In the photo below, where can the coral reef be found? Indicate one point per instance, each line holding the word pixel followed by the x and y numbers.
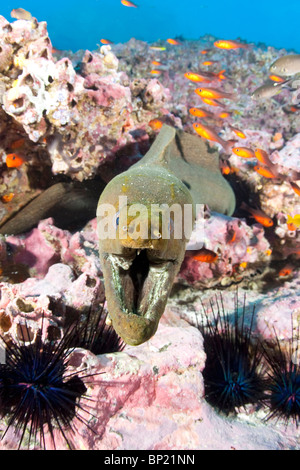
pixel 66 118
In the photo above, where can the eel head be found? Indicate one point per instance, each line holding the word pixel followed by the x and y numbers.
pixel 141 248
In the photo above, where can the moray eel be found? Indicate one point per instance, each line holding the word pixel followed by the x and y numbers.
pixel 70 204
pixel 180 171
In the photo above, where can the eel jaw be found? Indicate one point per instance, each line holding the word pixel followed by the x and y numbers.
pixel 137 289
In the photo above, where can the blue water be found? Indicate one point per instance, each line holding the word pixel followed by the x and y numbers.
pixel 80 24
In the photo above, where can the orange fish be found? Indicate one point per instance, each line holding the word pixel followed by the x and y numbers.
pixel 156 63
pixel 7 197
pixel 211 102
pixel 263 157
pixel 258 215
pixel 286 271
pixel 225 168
pixel 126 3
pixel 106 41
pixel 13 160
pixel 201 113
pixel 224 115
pixel 231 236
pixel 295 188
pixel 174 42
pixel 243 152
pixel 276 78
pixel 210 134
pixel 155 72
pixel 294 109
pixel 196 77
pixel 206 256
pixel 227 44
pixel 291 227
pixel 266 172
pixel 155 124
pixel 209 62
pixel 205 51
pixel 17 144
pixel 238 132
pixel 221 75
pixel 212 93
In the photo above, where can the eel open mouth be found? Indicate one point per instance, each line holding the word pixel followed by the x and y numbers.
pixel 137 286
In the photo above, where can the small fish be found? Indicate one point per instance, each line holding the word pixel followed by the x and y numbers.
pixel 295 188
pixel 231 236
pixel 291 227
pixel 156 63
pixel 263 157
pixel 211 102
pixel 196 77
pixel 266 172
pixel 210 134
pixel 205 51
pixel 286 65
pixel 21 14
pixel 209 62
pixel 205 256
pixel 174 42
pixel 223 115
pixel 243 152
pixel 293 109
pixel 157 48
pixel 258 215
pixel 213 93
pixel 201 113
pixel 221 75
pixel 225 168
pixel 294 220
pixel 286 271
pixel 13 160
pixel 7 197
pixel 126 3
pixel 155 124
pixel 106 41
pixel 55 51
pixel 268 90
pixel 238 132
pixel 276 78
pixel 155 72
pixel 228 44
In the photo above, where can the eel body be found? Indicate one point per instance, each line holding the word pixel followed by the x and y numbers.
pixel 142 249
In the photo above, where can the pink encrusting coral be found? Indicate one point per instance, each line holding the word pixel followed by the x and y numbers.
pixel 150 397
pixel 241 251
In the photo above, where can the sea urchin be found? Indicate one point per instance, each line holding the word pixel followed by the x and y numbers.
pixel 283 385
pixel 37 392
pixel 232 374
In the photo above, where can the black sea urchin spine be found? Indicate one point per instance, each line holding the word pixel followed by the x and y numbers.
pixel 283 385
pixel 38 393
pixel 96 335
pixel 232 373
